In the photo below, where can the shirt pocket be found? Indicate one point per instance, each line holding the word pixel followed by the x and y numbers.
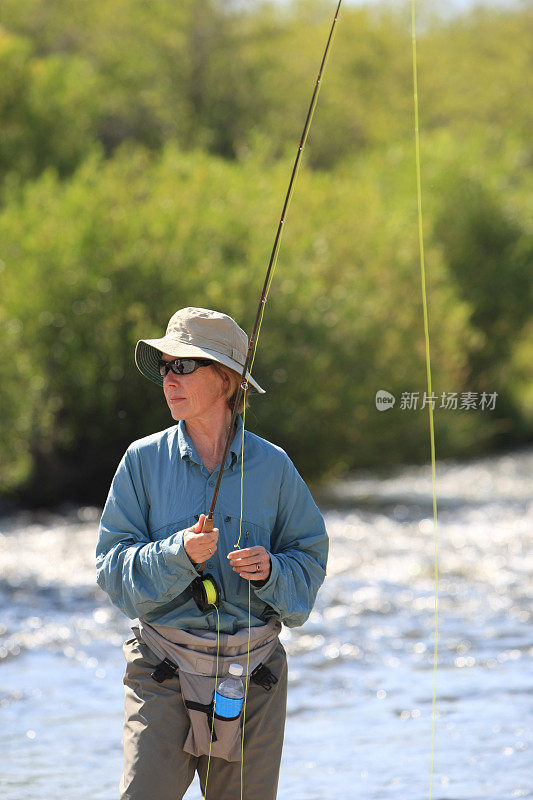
pixel 163 531
pixel 251 534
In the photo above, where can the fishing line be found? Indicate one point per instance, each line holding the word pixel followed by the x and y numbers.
pixel 214 706
pixel 430 394
pixel 243 384
pixel 246 683
pixel 252 344
pixel 254 340
pixel 238 545
pixel 210 592
pixel 213 598
pixel 296 168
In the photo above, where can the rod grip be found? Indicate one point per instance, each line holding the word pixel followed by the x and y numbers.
pixel 209 524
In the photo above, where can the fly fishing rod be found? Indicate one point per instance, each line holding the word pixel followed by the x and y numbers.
pixel 205 590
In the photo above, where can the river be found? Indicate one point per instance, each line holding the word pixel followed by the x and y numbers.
pixel 361 669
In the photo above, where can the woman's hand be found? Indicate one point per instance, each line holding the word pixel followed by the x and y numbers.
pixel 200 546
pixel 251 563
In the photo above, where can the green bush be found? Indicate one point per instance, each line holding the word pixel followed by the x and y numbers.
pixel 145 153
pixel 49 109
pixel 90 268
pixel 216 74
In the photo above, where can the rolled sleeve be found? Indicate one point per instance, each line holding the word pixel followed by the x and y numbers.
pixel 299 551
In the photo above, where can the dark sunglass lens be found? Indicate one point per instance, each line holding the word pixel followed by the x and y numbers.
pixel 181 366
pixel 184 366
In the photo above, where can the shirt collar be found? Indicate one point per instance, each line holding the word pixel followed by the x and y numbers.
pixel 188 450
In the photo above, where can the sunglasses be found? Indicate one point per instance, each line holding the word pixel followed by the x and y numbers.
pixel 182 366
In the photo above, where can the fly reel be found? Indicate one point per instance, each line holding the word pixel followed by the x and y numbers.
pixel 205 592
pixel 204 589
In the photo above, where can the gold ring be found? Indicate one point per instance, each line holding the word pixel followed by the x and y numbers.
pixel 258 566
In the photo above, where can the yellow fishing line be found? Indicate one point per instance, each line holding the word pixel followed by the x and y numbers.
pixel 214 704
pixel 210 592
pixel 289 196
pixel 430 394
pixel 249 604
pixel 246 687
pixel 267 290
pixel 238 545
pixel 211 598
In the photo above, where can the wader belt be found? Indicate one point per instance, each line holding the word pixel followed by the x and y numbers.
pixel 193 655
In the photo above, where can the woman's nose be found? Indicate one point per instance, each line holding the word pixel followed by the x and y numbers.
pixel 170 378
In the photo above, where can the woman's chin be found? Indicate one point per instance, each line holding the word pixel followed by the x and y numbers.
pixel 177 411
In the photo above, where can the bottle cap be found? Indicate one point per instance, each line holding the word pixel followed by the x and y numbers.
pixel 236 669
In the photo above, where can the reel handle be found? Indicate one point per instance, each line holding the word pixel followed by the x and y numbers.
pixel 209 524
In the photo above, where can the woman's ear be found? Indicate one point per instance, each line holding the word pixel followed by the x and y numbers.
pixel 227 385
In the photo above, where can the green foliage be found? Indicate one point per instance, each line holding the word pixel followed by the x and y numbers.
pixel 145 153
pixel 90 269
pixel 488 256
pixel 49 109
pixel 216 74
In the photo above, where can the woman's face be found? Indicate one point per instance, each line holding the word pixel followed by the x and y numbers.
pixel 198 395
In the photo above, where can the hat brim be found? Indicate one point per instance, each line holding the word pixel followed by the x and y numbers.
pixel 148 354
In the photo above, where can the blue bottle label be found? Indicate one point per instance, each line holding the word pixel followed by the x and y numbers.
pixel 227 706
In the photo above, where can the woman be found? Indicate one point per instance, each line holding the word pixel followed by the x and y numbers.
pixel 268 561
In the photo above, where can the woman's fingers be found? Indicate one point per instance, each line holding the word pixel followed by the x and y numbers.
pixel 252 555
pixel 245 562
pixel 261 574
pixel 200 546
pixel 246 553
pixel 252 563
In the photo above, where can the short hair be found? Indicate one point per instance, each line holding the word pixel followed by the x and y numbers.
pixel 233 379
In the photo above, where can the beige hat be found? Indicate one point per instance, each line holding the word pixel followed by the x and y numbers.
pixel 196 333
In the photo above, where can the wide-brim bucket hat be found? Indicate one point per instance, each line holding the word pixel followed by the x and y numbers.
pixel 196 333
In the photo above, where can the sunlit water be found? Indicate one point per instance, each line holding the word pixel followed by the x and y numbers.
pixel 361 670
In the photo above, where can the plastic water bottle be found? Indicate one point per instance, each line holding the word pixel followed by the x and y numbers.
pixel 229 696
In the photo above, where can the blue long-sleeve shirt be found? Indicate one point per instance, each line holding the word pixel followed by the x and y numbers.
pixel 159 490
